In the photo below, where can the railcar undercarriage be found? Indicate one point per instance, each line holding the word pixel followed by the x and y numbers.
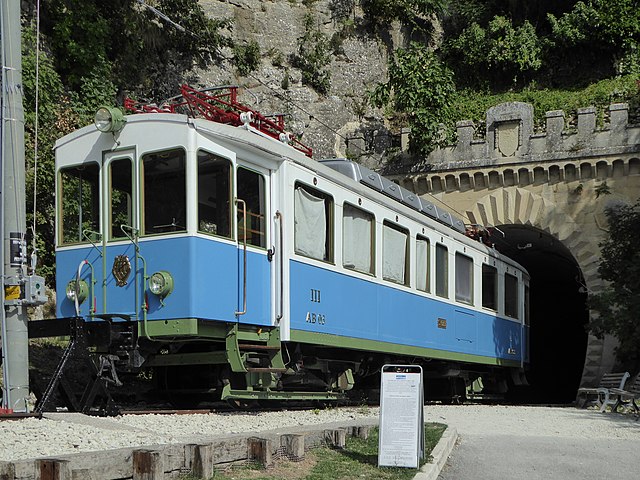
pixel 241 365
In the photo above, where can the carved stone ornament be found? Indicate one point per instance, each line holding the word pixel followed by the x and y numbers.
pixel 121 269
pixel 508 138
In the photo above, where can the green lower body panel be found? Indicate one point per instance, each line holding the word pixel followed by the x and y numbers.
pixel 352 343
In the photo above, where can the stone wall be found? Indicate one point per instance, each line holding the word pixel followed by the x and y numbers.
pixel 357 64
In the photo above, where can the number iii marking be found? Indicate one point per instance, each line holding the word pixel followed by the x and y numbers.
pixel 315 295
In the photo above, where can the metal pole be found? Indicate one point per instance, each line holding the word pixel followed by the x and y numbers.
pixel 15 339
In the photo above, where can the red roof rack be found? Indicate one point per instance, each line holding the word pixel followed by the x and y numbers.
pixel 220 104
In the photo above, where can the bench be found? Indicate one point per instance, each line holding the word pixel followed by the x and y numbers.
pixel 608 382
pixel 627 396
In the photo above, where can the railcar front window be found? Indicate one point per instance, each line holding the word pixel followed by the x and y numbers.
pixel 214 195
pixel 510 296
pixel 489 287
pixel 79 204
pixel 165 195
pixel 423 261
pixel 121 213
pixel 313 222
pixel 395 242
pixel 357 239
pixel 251 191
pixel 442 271
pixel 464 278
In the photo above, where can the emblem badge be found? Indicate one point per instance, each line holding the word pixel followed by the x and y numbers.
pixel 121 269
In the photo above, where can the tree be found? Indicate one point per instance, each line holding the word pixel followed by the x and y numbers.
pixel 129 43
pixel 421 87
pixel 618 306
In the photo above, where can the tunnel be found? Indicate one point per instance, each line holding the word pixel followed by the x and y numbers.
pixel 558 313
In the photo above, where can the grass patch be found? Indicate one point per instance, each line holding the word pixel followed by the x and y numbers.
pixel 358 460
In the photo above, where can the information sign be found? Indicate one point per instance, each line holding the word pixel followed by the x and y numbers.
pixel 401 441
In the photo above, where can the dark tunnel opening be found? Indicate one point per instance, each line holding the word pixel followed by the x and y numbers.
pixel 559 314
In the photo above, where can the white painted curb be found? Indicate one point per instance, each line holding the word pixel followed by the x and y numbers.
pixel 440 454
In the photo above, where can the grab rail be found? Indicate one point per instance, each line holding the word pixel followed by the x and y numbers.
pixel 244 262
pixel 281 265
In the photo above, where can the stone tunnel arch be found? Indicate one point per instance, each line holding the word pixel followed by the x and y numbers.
pixel 547 243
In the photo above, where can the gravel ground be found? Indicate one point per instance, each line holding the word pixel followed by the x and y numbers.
pixel 66 433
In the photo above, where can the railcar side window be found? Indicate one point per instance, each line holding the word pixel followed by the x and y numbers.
pixel 422 264
pixel 313 222
pixel 464 278
pixel 358 231
pixel 79 204
pixel 527 301
pixel 395 243
pixel 214 194
pixel 251 191
pixel 121 191
pixel 510 295
pixel 489 287
pixel 165 194
pixel 442 271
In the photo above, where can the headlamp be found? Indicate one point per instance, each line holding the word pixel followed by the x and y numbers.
pixel 109 119
pixel 161 283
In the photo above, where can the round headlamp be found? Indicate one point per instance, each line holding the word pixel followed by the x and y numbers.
pixel 79 290
pixel 161 283
pixel 109 119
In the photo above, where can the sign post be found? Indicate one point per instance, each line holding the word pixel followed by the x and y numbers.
pixel 401 442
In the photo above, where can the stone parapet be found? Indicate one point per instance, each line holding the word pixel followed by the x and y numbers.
pixel 510 139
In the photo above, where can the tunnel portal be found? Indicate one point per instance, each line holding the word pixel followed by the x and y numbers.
pixel 559 313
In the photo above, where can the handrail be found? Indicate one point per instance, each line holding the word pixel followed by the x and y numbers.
pixel 281 265
pixel 244 266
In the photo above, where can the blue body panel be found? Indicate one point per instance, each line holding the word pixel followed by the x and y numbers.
pixel 207 277
pixel 368 310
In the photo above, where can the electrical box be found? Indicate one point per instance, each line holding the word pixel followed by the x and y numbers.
pixel 34 290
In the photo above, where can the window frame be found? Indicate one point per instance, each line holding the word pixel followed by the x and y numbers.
pixel 96 201
pixel 443 249
pixel 329 209
pixel 457 293
pixel 262 203
pixel 143 192
pixel 407 256
pixel 372 250
pixel 428 266
pixel 495 284
pixel 506 296
pixel 230 180
pixel 110 236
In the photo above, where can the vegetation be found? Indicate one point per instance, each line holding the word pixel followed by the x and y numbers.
pixel 246 57
pixel 313 56
pixel 558 55
pixel 618 305
pixel 359 459
pixel 93 52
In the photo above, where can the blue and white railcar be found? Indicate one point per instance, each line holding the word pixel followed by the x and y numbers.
pixel 234 265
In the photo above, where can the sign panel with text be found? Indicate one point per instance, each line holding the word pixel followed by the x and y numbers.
pixel 401 441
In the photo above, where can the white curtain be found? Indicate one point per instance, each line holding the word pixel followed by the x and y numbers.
pixel 356 239
pixel 464 281
pixel 394 250
pixel 422 265
pixel 310 229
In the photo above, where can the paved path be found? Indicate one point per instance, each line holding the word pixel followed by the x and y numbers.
pixel 531 443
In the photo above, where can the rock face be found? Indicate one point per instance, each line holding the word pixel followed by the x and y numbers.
pixel 336 124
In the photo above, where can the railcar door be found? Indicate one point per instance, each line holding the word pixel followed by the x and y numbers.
pixel 120 222
pixel 252 204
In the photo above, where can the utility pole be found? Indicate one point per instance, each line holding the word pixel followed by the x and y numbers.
pixel 15 338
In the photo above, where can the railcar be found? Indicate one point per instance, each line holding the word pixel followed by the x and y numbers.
pixel 233 266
